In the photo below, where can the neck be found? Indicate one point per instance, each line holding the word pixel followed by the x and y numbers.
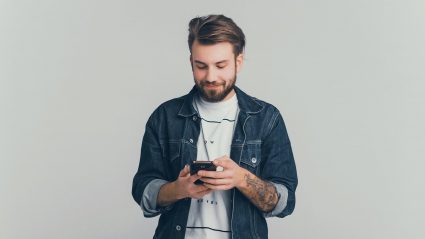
pixel 230 95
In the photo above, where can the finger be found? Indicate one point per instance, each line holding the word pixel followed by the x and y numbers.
pixel 199 188
pixel 216 182
pixel 203 193
pixel 223 161
pixel 200 191
pixel 218 187
pixel 194 177
pixel 185 171
pixel 212 174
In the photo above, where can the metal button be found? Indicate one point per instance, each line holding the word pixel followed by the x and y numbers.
pixel 178 227
pixel 254 160
pixel 194 118
pixel 191 141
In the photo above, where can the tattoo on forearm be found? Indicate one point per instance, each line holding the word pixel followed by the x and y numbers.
pixel 263 193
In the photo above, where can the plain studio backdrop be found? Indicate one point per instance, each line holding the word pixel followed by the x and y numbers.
pixel 79 80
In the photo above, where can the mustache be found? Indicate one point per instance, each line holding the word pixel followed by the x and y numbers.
pixel 214 83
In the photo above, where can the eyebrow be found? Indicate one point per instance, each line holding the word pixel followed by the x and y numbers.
pixel 219 62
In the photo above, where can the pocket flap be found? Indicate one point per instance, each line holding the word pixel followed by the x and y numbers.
pixel 252 154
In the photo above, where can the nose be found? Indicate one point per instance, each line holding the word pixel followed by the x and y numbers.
pixel 211 75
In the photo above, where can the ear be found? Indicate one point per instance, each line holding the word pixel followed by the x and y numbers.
pixel 190 59
pixel 239 62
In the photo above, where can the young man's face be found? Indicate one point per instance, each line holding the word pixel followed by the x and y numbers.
pixel 214 70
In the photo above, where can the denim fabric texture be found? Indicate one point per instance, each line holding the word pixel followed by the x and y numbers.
pixel 260 144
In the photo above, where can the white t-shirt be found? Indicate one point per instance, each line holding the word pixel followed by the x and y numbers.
pixel 209 217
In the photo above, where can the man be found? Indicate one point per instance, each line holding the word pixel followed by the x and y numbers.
pixel 216 121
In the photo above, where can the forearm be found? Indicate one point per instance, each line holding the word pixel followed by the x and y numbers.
pixel 167 195
pixel 261 193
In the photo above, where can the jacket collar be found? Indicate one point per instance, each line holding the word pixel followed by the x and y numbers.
pixel 246 103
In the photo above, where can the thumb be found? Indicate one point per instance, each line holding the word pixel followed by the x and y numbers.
pixel 219 162
pixel 224 162
pixel 185 171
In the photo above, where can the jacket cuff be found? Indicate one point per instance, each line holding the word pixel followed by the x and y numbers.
pixel 282 193
pixel 150 194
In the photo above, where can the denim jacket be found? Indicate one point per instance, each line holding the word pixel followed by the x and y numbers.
pixel 260 144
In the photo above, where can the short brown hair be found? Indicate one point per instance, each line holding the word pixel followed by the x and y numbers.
pixel 211 29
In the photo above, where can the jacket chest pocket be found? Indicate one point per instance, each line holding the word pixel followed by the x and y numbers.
pixel 251 156
pixel 171 154
pixel 173 150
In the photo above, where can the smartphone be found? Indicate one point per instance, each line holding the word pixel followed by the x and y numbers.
pixel 201 165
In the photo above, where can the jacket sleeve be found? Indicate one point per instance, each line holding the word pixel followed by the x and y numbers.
pixel 282 193
pixel 152 166
pixel 150 195
pixel 279 165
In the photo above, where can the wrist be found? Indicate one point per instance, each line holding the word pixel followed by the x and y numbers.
pixel 241 177
pixel 175 189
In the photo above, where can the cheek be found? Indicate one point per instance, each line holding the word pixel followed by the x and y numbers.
pixel 228 74
pixel 199 75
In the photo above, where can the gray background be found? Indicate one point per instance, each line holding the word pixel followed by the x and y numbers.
pixel 80 78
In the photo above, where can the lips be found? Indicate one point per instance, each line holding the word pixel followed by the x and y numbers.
pixel 211 86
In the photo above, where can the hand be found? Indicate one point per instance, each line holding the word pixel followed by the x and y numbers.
pixel 185 187
pixel 231 176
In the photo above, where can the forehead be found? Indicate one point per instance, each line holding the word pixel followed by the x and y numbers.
pixel 212 53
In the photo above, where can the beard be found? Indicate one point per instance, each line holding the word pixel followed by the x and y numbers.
pixel 216 94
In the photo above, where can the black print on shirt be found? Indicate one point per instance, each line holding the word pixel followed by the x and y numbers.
pixel 207 201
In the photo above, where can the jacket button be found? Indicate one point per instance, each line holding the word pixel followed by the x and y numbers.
pixel 191 141
pixel 254 160
pixel 194 118
pixel 178 227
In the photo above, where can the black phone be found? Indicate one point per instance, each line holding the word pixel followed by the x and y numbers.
pixel 201 165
